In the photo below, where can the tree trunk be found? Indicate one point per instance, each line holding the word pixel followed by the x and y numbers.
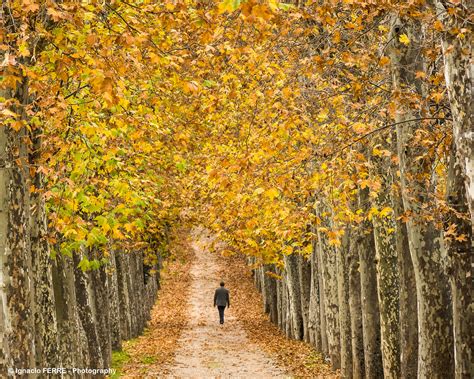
pixel 387 267
pixel 329 271
pixel 86 314
pixel 46 334
pixel 279 301
pixel 459 76
pixel 72 340
pixel 355 308
pixel 314 315
pixel 344 312
pixel 17 347
pixel 408 313
pixel 304 275
pixel 322 293
pixel 112 284
pixel 271 292
pixel 435 355
pixel 100 297
pixel 294 296
pixel 370 303
pixel 460 253
pixel 124 301
pixel 387 285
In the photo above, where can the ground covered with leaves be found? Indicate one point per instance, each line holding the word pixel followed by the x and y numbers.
pixel 155 349
pixel 297 357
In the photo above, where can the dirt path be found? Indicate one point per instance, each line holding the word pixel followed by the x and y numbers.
pixel 207 349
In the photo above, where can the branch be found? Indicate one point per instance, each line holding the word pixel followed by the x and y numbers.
pixel 389 126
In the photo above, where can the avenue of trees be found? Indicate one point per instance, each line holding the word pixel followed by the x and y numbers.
pixel 329 141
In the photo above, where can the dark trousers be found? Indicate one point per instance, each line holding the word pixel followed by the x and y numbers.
pixel 221 309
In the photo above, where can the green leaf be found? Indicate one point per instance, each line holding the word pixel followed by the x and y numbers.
pixel 229 5
pixel 84 264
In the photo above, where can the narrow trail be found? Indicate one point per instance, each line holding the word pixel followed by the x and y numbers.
pixel 207 349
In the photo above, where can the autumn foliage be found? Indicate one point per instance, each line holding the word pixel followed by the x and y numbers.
pixel 279 126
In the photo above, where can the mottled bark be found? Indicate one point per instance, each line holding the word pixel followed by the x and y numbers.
pixel 408 313
pixel 285 308
pixel 17 347
pixel 71 336
pixel 459 77
pixel 100 297
pixel 270 286
pixel 114 304
pixel 322 295
pixel 314 315
pixel 279 291
pixel 294 296
pixel 331 301
pixel 46 334
pixel 460 254
pixel 86 313
pixel 124 301
pixel 344 312
pixel 370 303
pixel 387 266
pixel 435 354
pixel 355 308
pixel 304 275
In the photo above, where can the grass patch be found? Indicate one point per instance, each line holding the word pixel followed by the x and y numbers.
pixel 119 358
pixel 314 359
pixel 148 359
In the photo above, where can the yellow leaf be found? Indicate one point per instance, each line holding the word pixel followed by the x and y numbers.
pixel 385 212
pixel 272 193
pixel 404 39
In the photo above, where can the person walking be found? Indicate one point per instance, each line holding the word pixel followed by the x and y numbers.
pixel 221 300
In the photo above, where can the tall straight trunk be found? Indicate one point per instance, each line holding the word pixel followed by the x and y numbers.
pixel 46 334
pixel 270 285
pixel 17 347
pixel 72 344
pixel 100 297
pixel 460 253
pixel 387 267
pixel 86 314
pixel 459 77
pixel 408 312
pixel 294 296
pixel 355 309
pixel 136 286
pixel 370 303
pixel 314 315
pixel 286 317
pixel 344 312
pixel 279 301
pixel 122 262
pixel 322 295
pixel 304 275
pixel 113 301
pixel 387 289
pixel 435 348
pixel 331 303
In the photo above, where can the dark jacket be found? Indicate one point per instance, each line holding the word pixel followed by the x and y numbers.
pixel 221 297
